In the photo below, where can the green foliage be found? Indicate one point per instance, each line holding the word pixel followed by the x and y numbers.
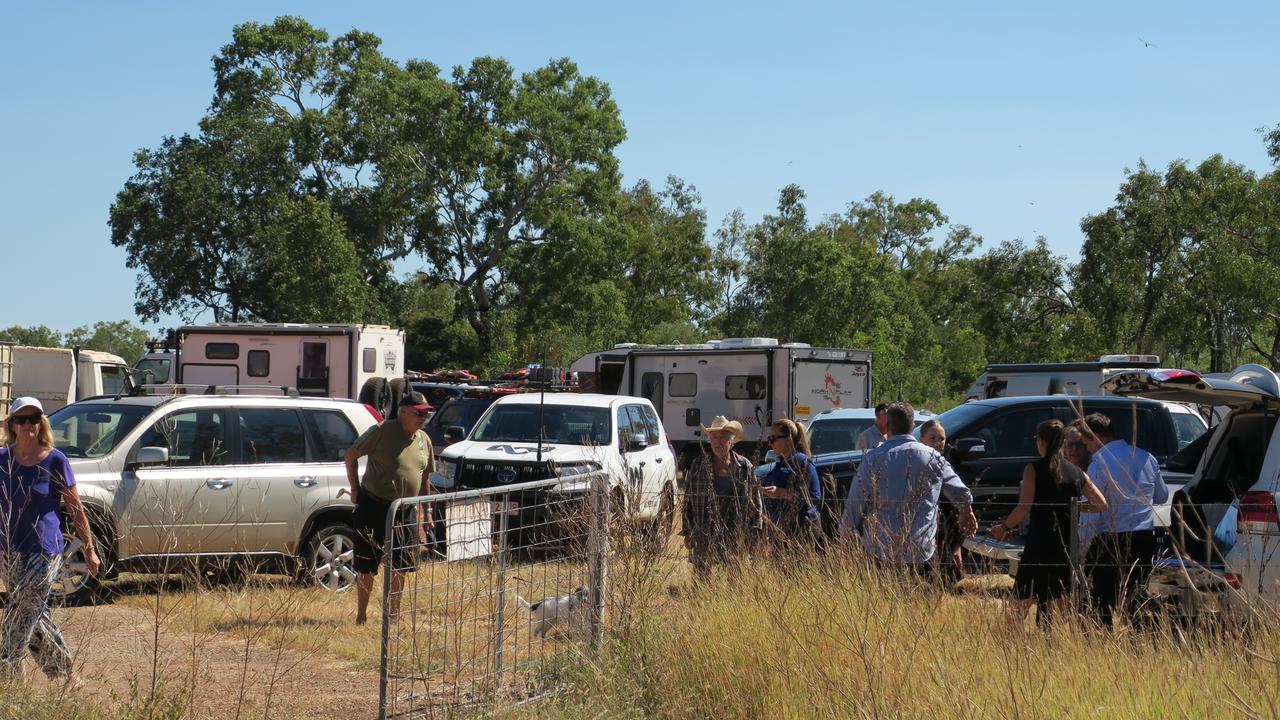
pixel 121 337
pixel 37 335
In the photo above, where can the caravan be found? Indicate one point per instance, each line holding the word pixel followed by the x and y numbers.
pixel 1063 378
pixel 752 380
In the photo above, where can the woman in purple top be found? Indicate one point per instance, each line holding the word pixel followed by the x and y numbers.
pixel 35 482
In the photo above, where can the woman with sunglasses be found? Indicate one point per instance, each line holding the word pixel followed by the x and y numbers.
pixel 35 481
pixel 792 491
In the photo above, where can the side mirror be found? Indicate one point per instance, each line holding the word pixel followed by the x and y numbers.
pixel 152 456
pixel 638 441
pixel 970 449
pixel 454 433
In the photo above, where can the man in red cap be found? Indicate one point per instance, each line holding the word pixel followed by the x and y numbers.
pixel 400 465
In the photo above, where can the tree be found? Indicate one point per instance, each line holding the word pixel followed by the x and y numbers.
pixel 121 338
pixel 37 335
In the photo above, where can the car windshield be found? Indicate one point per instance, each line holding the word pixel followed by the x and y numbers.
pixel 959 416
pixel 158 369
pixel 565 424
pixel 837 434
pixel 93 430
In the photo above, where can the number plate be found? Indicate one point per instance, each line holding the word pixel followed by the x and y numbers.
pixel 510 508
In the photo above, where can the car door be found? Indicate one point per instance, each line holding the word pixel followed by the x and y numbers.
pixel 649 460
pixel 280 487
pixel 1008 443
pixel 633 459
pixel 190 504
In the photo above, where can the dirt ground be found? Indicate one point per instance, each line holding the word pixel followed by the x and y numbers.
pixel 119 654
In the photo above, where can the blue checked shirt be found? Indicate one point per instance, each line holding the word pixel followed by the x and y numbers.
pixel 893 501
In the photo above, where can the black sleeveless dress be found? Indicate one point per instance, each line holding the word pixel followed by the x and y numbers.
pixel 1044 572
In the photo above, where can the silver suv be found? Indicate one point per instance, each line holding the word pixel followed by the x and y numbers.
pixel 211 480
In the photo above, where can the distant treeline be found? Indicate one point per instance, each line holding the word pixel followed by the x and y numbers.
pixel 321 162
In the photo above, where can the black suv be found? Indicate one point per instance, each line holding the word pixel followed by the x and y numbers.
pixel 989 442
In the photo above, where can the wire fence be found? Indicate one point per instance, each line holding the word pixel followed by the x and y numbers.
pixel 513 592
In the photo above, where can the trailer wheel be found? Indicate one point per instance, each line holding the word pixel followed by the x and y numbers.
pixel 397 389
pixel 377 394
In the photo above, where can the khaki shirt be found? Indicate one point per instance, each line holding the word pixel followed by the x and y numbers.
pixel 396 463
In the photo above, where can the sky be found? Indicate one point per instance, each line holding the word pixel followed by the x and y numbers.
pixel 1017 120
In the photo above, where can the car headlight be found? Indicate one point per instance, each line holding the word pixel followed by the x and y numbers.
pixel 570 470
pixel 446 473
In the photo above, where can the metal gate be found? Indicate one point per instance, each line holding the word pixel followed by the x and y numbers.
pixel 494 612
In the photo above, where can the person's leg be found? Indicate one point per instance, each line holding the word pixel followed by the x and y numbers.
pixel 1139 556
pixel 27 623
pixel 1104 576
pixel 364 588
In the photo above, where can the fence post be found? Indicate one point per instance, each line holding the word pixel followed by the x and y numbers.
pixel 500 613
pixel 388 567
pixel 598 554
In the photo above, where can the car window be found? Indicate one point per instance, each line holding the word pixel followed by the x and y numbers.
pixel 331 432
pixel 194 438
pixel 1012 434
pixel 271 435
pixel 837 434
pixel 564 424
pixel 1188 427
pixel 93 429
pixel 639 425
pixel 1133 423
pixel 653 424
pixel 625 431
pixel 449 415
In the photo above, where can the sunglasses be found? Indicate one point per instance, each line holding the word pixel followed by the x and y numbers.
pixel 775 438
pixel 26 419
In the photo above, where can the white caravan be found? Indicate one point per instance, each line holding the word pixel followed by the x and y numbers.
pixel 58 376
pixel 360 362
pixel 1064 378
pixel 752 380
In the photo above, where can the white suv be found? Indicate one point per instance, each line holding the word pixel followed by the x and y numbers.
pixel 582 435
pixel 203 477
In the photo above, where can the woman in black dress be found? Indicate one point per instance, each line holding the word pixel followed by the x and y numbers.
pixel 1051 488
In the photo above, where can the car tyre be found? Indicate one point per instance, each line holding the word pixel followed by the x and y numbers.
pixel 74 585
pixel 396 389
pixel 329 557
pixel 376 393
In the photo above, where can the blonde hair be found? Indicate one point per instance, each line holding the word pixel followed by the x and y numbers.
pixel 794 430
pixel 44 435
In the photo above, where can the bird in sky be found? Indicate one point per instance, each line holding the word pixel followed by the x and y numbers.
pixel 1145 43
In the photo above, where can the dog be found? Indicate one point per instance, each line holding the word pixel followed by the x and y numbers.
pixel 554 610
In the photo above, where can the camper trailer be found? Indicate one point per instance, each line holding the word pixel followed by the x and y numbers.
pixel 360 362
pixel 1065 378
pixel 752 380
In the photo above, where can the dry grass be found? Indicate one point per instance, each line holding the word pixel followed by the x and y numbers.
pixel 841 641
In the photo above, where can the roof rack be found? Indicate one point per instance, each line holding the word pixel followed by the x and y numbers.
pixel 201 389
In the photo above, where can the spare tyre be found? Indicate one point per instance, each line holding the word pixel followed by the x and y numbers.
pixel 397 388
pixel 376 394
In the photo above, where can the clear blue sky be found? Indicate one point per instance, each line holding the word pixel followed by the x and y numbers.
pixel 1017 120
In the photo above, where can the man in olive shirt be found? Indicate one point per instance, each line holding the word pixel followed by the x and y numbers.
pixel 399 466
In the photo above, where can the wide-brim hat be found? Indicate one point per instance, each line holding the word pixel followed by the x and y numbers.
pixel 723 424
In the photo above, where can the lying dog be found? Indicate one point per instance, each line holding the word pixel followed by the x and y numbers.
pixel 555 610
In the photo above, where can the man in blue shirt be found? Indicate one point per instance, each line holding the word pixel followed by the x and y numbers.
pixel 893 501
pixel 1121 542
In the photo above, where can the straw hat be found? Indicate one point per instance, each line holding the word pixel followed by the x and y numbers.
pixel 722 424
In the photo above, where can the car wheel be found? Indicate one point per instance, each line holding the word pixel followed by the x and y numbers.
pixel 74 585
pixel 329 558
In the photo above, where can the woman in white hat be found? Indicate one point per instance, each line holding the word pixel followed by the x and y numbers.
pixel 35 480
pixel 722 508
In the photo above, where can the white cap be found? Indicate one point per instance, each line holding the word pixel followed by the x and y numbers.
pixel 25 402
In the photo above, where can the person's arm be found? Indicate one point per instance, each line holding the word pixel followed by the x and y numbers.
pixel 815 491
pixel 1094 502
pixel 80 521
pixel 853 505
pixel 1026 495
pixel 1160 491
pixel 351 459
pixel 958 493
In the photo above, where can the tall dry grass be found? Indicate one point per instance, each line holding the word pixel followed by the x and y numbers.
pixel 839 640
